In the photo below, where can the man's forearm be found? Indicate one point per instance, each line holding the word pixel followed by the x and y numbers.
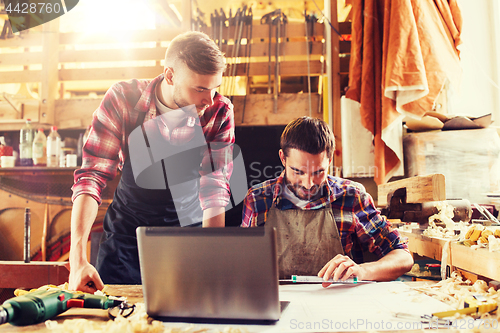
pixel 391 266
pixel 83 216
pixel 214 217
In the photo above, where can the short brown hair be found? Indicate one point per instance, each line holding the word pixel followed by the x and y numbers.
pixel 197 51
pixel 310 135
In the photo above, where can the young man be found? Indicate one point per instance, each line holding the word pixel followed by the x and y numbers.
pixel 181 107
pixel 323 223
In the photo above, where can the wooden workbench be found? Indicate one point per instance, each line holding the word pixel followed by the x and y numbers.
pixel 480 262
pixel 134 294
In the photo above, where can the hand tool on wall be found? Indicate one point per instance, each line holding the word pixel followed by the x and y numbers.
pixel 230 21
pixel 236 23
pixel 277 23
pixel 237 43
pixel 280 20
pixel 40 305
pixel 212 25
pixel 320 83
pixel 308 51
pixel 268 19
pixel 248 51
pixel 222 24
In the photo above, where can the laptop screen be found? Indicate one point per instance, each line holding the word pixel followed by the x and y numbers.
pixel 211 273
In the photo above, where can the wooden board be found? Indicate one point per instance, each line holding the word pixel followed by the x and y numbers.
pixel 480 262
pixel 259 109
pixel 418 189
pixel 16 274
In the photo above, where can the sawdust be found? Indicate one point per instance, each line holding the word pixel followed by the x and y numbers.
pixel 455 290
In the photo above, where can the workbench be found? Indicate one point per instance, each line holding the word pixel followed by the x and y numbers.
pixel 480 262
pixel 339 304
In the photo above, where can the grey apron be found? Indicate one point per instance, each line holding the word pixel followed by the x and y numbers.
pixel 306 239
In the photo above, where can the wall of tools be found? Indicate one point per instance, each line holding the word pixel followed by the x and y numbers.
pixel 275 68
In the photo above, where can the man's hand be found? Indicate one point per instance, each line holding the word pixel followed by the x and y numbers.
pixel 85 278
pixel 389 267
pixel 340 268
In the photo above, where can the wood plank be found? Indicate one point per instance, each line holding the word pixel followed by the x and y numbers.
pixel 21 58
pixel 25 40
pixel 138 36
pixel 261 31
pixel 186 12
pixel 344 65
pixel 345 28
pixel 20 76
pixel 344 46
pixel 141 54
pixel 291 68
pixel 286 48
pixel 335 86
pixel 66 109
pixel 259 109
pixel 49 79
pixel 17 274
pixel 258 50
pixel 424 246
pixel 418 189
pixel 480 261
pixel 298 68
pixel 157 53
pixel 118 73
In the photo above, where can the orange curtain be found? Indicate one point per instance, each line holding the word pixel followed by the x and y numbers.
pixel 403 52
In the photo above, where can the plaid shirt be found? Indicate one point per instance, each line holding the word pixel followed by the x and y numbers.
pixel 106 148
pixel 360 225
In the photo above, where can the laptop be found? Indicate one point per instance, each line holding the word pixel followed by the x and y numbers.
pixel 221 275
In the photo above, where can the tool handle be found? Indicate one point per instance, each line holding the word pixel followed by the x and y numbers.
pixel 317 279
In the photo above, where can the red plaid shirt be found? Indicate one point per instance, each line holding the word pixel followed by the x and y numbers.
pixel 106 148
pixel 360 225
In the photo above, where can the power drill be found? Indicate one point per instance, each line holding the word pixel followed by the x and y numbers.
pixel 38 306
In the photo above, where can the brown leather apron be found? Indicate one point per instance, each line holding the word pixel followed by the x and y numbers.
pixel 306 239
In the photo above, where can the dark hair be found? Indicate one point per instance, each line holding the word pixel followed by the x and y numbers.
pixel 197 51
pixel 310 135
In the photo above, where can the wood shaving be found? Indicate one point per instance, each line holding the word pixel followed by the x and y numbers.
pixel 493 243
pixel 445 215
pixel 455 290
pixel 138 322
pixel 63 287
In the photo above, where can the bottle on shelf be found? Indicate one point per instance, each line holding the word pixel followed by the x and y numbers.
pixel 53 147
pixel 40 148
pixel 79 150
pixel 26 144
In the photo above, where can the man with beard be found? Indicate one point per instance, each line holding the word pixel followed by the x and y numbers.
pixel 323 223
pixel 182 108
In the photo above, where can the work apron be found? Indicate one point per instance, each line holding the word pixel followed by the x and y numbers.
pixel 306 239
pixel 133 206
